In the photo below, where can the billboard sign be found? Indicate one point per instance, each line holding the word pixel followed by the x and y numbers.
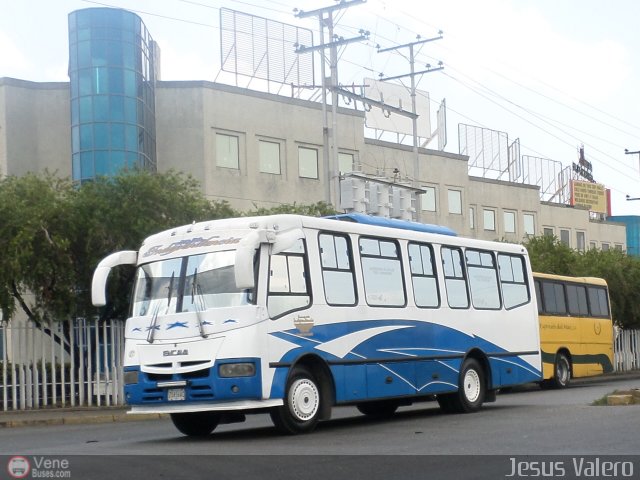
pixel 591 196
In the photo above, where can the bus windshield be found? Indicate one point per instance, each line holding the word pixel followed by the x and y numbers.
pixel 188 284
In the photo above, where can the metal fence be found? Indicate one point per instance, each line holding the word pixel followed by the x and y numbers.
pixel 79 363
pixel 66 364
pixel 627 350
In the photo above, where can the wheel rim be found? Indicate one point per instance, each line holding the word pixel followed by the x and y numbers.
pixel 472 385
pixel 304 399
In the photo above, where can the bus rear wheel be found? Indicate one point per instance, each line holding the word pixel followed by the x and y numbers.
pixel 301 410
pixel 471 390
pixel 196 424
pixel 561 371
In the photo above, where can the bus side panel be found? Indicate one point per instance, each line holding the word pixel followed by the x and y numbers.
pixel 597 336
pixel 437 376
pixel 350 382
pixel 391 380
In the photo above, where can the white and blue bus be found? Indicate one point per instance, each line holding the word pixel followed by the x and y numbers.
pixel 293 315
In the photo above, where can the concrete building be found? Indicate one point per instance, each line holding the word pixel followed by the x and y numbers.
pixel 252 148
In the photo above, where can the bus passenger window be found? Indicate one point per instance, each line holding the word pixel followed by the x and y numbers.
pixel 423 276
pixel 337 274
pixel 382 273
pixel 598 302
pixel 577 300
pixel 288 286
pixel 539 297
pixel 515 291
pixel 483 280
pixel 553 294
pixel 454 279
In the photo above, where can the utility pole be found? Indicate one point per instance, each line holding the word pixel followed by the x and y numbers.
pixel 412 75
pixel 627 152
pixel 330 161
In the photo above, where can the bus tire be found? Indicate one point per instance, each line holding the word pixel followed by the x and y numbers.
pixel 561 371
pixel 301 410
pixel 471 388
pixel 378 408
pixel 196 424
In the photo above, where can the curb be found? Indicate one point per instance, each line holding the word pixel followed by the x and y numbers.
pixel 73 417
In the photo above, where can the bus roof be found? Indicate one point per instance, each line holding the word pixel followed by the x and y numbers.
pixel 393 223
pixel 566 278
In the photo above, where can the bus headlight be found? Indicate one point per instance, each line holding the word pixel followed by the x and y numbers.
pixel 244 369
pixel 130 377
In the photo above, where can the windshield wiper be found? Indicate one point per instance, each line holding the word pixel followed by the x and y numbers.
pixel 199 304
pixel 152 327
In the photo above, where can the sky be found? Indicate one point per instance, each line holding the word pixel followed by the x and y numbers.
pixel 555 74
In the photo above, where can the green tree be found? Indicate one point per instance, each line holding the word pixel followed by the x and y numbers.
pixel 36 268
pixel 53 234
pixel 319 209
pixel 549 255
pixel 118 213
pixel 621 271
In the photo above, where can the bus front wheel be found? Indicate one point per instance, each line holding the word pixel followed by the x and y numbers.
pixel 196 424
pixel 301 410
pixel 561 371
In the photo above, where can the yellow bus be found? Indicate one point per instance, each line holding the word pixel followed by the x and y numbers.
pixel 576 330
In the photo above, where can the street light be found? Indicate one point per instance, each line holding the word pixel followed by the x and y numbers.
pixel 630 198
pixel 627 152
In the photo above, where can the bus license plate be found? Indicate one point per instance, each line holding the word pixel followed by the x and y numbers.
pixel 176 394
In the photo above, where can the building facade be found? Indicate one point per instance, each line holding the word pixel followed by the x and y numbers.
pixel 112 72
pixel 251 148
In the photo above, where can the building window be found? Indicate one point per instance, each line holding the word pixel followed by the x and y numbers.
pixel 227 152
pixel 345 162
pixel 605 247
pixel 428 199
pixel 307 162
pixel 580 241
pixel 509 222
pixel 472 218
pixel 548 231
pixel 618 247
pixel 529 224
pixel 489 217
pixel 593 245
pixel 269 153
pixel 564 237
pixel 455 201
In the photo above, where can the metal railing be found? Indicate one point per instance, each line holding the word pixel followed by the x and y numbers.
pixel 79 363
pixel 626 350
pixel 65 364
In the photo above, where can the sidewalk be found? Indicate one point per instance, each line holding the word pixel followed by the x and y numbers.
pixel 71 416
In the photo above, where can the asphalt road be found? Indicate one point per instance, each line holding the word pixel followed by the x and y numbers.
pixel 417 440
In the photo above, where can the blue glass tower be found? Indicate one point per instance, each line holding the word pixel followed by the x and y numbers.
pixel 112 69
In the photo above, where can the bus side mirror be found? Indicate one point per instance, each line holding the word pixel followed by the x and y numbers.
pixel 243 268
pixel 286 240
pixel 101 273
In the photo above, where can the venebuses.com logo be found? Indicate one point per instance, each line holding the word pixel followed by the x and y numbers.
pixel 38 467
pixel 18 467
